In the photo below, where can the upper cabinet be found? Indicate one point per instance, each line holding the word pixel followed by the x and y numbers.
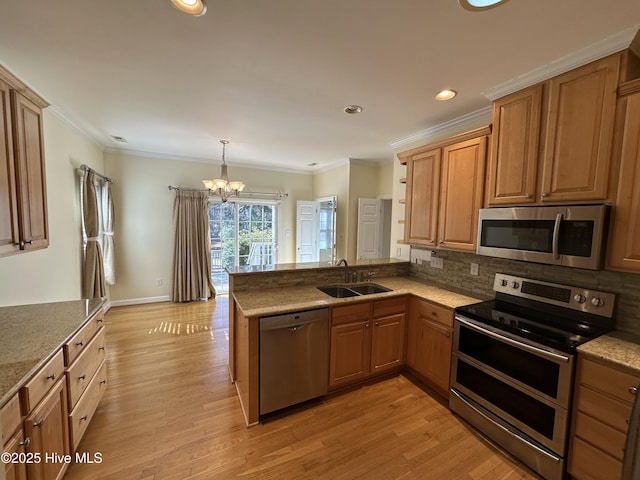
pixel 23 206
pixel 445 190
pixel 552 142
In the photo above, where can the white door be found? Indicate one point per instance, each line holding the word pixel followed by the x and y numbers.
pixel 369 228
pixel 307 232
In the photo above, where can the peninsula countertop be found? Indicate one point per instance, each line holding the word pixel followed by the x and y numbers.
pixel 618 348
pixel 31 334
pixel 271 301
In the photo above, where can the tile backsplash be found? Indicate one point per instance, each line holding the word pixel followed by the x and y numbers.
pixel 455 275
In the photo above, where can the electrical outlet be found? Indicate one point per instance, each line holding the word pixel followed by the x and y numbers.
pixel 437 262
pixel 474 269
pixel 159 282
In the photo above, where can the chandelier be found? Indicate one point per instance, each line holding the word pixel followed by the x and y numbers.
pixel 222 187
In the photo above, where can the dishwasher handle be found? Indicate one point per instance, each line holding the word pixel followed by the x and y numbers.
pixel 297 327
pixel 294 321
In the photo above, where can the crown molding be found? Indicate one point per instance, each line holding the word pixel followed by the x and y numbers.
pixel 446 129
pixel 66 119
pixel 607 46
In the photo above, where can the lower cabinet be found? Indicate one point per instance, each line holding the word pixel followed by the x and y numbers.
pixel 366 339
pixel 429 342
pixel 604 396
pixel 13 440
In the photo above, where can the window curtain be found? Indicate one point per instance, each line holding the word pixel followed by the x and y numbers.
pixel 93 285
pixel 107 232
pixel 192 247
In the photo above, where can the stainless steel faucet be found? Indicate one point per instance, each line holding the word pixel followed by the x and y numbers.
pixel 346 269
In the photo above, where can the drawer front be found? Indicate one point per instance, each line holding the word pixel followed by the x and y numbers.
pixel 586 461
pixel 600 435
pixel 79 374
pixel 351 313
pixel 608 410
pixel 609 379
pixel 10 419
pixel 432 312
pixel 82 414
pixel 42 382
pixel 393 306
pixel 80 340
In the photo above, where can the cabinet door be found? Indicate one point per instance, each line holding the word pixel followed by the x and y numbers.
pixel 47 427
pixel 387 343
pixel 9 234
pixel 30 172
pixel 579 132
pixel 435 356
pixel 18 470
pixel 350 352
pixel 513 161
pixel 624 241
pixel 421 209
pixel 461 195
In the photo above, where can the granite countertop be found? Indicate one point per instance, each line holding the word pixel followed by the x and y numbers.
pixel 271 301
pixel 618 348
pixel 31 334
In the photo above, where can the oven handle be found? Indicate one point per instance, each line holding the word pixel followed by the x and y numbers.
pixel 556 235
pixel 515 343
pixel 505 429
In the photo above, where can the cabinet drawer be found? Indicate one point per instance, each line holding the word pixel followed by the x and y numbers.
pixel 41 383
pixel 10 419
pixel 80 340
pixel 586 461
pixel 606 409
pixel 608 379
pixel 351 313
pixel 600 435
pixel 393 306
pixel 83 412
pixel 432 312
pixel 80 373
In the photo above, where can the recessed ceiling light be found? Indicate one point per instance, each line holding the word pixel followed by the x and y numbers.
pixel 445 95
pixel 477 5
pixel 352 109
pixel 196 8
pixel 118 138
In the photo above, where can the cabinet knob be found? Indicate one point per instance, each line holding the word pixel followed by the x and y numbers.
pixel 447 334
pixel 366 325
pixel 377 324
pixel 545 194
pixel 434 314
pixel 527 195
pixel 39 423
pixel 102 382
pixel 100 320
pixel 82 377
pixel 25 443
pixel 51 377
pixel 633 390
pixel 83 418
pixel 79 344
pixel 101 348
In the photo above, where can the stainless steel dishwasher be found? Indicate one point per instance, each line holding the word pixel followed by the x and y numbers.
pixel 294 358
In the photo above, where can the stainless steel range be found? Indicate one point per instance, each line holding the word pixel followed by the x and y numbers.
pixel 513 364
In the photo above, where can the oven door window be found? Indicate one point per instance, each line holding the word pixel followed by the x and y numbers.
pixel 529 369
pixel 528 410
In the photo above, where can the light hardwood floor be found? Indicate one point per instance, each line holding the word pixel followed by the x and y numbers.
pixel 170 412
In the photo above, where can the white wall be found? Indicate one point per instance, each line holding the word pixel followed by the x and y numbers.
pixel 144 215
pixel 335 182
pixel 53 274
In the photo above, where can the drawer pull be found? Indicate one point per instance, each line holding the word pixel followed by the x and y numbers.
pixel 25 443
pixel 633 390
pixel 628 420
pixel 447 334
pixel 83 418
pixel 51 377
pixel 82 377
pixel 39 423
pixel 80 344
pixel 100 320
pixel 101 348
pixel 102 382
pixel 435 314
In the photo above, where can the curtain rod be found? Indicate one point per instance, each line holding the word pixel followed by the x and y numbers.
pixel 89 169
pixel 242 194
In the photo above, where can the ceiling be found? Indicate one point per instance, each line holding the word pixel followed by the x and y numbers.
pixel 273 76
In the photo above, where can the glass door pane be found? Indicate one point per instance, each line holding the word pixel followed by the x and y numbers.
pixel 222 232
pixel 256 244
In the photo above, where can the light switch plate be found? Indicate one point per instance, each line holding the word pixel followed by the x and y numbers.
pixel 437 262
pixel 474 269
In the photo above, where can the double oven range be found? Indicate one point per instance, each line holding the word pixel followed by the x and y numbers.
pixel 513 364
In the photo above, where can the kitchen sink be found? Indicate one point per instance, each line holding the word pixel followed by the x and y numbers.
pixel 342 291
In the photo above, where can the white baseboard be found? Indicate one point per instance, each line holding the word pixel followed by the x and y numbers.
pixel 137 301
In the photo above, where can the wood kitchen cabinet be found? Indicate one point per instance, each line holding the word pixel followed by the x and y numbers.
pixel 13 440
pixel 366 339
pixel 624 239
pixel 445 190
pixel 429 343
pixel 23 209
pixel 604 395
pixel 552 143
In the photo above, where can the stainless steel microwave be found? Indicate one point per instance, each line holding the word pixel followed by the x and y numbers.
pixel 568 235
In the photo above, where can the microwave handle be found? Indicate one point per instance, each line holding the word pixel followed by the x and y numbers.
pixel 556 236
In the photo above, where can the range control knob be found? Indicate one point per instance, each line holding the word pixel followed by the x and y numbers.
pixel 503 282
pixel 515 285
pixel 578 297
pixel 597 302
